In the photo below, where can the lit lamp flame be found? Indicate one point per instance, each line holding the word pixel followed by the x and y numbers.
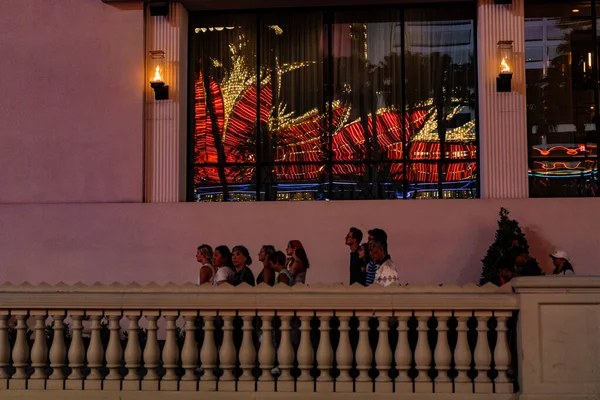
pixel 157 77
pixel 505 67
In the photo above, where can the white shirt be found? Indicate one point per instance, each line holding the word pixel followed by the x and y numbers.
pixel 386 273
pixel 224 274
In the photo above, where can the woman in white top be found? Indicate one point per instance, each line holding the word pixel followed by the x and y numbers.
pixel 222 262
pixel 562 263
pixel 204 256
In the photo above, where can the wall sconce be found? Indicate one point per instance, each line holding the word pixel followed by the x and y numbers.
pixel 505 66
pixel 156 66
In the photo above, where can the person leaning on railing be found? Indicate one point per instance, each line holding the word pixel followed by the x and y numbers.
pixel 562 263
pixel 222 261
pixel 204 255
pixel 240 257
pixel 386 273
pixel 277 262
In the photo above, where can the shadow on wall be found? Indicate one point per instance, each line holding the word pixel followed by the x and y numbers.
pixel 540 248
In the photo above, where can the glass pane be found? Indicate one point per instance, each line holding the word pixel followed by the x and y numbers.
pixel 213 183
pixel 563 178
pixel 560 87
pixel 225 89
pixel 294 123
pixel 459 180
pixel 367 181
pixel 422 180
pixel 440 79
pixel 294 182
pixel 367 66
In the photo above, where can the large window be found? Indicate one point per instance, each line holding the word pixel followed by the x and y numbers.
pixel 562 98
pixel 345 104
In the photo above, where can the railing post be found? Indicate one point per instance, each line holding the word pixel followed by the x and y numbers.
pixel 227 354
pixel 403 355
pixel 95 353
pixel 170 354
pixel 266 353
pixel 324 353
pixel 442 354
pixel 189 353
pixel 20 353
pixel 151 352
pixel 483 354
pixel 39 351
pixel 285 354
pixel 502 354
pixel 364 355
pixel 247 382
pixel 343 354
pixel 462 354
pixel 114 352
pixel 58 351
pixel 423 382
pixel 208 352
pixel 133 353
pixel 76 353
pixel 4 349
pixel 305 354
pixel 383 354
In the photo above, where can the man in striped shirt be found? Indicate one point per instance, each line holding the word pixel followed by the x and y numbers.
pixel 380 236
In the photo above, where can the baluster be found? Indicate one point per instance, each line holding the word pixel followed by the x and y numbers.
pixel 4 349
pixel 227 354
pixel 324 353
pixel 20 353
pixel 114 352
pixel 285 354
pixel 95 353
pixel 76 352
pixel 483 354
pixel 266 354
pixel 39 351
pixel 502 354
pixel 58 351
pixel 133 353
pixel 189 352
pixel 442 355
pixel 151 352
pixel 423 382
pixel 247 355
pixel 208 353
pixel 462 354
pixel 305 354
pixel 170 354
pixel 364 355
pixel 403 355
pixel 343 355
pixel 383 354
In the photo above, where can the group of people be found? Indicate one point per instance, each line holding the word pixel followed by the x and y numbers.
pixel 222 265
pixel 518 262
pixel 370 263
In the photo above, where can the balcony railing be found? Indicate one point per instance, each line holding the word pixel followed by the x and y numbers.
pixel 414 341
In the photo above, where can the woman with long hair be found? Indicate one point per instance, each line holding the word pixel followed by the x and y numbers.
pixel 240 257
pixel 289 251
pixel 299 266
pixel 222 262
pixel 364 258
pixel 562 263
pixel 204 256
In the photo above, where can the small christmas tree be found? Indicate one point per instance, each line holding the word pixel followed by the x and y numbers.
pixel 508 235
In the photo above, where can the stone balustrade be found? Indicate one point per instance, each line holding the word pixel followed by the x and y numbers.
pixel 120 341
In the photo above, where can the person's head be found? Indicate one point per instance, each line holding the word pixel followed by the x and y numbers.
pixel 377 251
pixel 277 261
pixel 363 252
pixel 506 268
pixel 292 246
pixel 354 237
pixel 559 259
pixel 519 255
pixel 222 257
pixel 378 235
pixel 204 254
pixel 240 257
pixel 300 259
pixel 265 252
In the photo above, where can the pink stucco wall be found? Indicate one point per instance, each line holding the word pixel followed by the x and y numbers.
pixel 72 101
pixel 431 241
